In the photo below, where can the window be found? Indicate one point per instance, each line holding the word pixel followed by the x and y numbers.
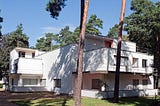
pixel 43 82
pixel 124 60
pixel 15 67
pixel 57 83
pixel 145 82
pixel 135 83
pixel 144 63
pixel 30 81
pixel 96 84
pixel 135 62
pixel 21 54
pixel 33 55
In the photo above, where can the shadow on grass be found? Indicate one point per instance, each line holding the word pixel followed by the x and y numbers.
pixel 44 102
pixel 137 101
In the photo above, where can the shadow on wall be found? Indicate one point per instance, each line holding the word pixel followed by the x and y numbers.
pixel 94 59
pixel 62 68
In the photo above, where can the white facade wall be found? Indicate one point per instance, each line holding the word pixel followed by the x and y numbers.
pixel 104 59
pixel 128 46
pixel 91 44
pixel 30 66
pixel 59 64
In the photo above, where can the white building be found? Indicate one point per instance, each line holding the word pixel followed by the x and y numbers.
pixel 32 70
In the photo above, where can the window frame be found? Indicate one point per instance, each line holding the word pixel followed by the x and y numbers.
pixel 30 82
pixel 144 63
pixel 135 83
pixel 125 59
pixel 21 54
pixel 96 84
pixel 135 62
pixel 57 83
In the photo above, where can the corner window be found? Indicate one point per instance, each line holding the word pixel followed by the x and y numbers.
pixel 21 54
pixel 144 63
pixel 96 84
pixel 57 83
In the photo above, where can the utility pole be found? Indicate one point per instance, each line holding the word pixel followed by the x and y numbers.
pixel 79 70
pixel 118 59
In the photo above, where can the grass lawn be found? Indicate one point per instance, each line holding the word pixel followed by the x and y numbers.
pixel 86 102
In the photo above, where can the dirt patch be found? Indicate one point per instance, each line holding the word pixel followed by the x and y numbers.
pixel 6 98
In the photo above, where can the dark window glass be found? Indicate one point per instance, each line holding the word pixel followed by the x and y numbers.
pixel 57 83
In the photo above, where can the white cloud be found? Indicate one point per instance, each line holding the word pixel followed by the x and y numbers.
pixel 50 29
pixel 56 30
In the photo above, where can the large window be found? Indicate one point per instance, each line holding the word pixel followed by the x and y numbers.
pixel 124 60
pixel 30 81
pixel 135 83
pixel 96 84
pixel 57 83
pixel 135 62
pixel 144 63
pixel 21 54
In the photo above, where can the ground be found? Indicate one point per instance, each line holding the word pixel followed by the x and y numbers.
pixel 6 97
pixel 49 99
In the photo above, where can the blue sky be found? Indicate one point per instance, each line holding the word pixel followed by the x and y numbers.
pixel 37 21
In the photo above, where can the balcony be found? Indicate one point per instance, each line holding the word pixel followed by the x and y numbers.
pixel 28 66
pixel 104 60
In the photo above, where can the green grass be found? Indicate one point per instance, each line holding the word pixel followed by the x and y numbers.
pixel 86 102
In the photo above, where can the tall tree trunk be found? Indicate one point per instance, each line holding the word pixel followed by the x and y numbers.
pixel 156 61
pixel 118 59
pixel 78 76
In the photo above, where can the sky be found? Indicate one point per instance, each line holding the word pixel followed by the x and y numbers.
pixel 37 21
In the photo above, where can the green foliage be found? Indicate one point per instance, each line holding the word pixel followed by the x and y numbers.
pixel 45 43
pixel 17 38
pixel 65 36
pixel 143 27
pixel 8 43
pixel 143 24
pixel 54 7
pixel 113 32
pixel 93 25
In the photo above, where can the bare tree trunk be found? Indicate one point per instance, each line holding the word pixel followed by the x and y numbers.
pixel 118 59
pixel 78 76
pixel 156 61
